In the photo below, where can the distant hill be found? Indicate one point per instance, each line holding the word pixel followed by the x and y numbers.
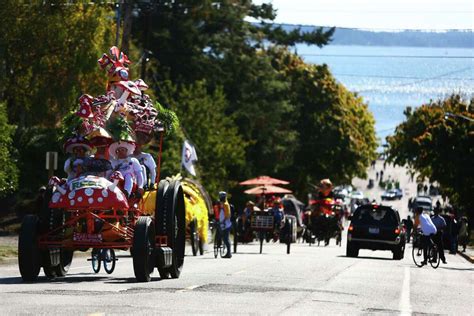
pixel 346 36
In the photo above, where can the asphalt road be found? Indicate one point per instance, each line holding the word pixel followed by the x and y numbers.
pixel 311 280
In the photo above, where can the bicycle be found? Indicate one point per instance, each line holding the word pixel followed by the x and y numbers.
pixel 218 244
pixel 432 252
pixel 105 256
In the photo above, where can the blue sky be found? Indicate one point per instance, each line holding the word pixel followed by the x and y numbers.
pixel 377 14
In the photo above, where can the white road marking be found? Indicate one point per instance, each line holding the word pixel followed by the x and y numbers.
pixel 404 305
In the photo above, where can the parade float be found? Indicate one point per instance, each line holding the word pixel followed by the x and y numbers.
pixel 107 203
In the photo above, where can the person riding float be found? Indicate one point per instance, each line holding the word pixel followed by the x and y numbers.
pixel 80 149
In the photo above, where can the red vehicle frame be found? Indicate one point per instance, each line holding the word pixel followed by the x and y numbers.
pixel 98 215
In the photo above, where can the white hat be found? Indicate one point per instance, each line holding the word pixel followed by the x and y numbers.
pixel 114 146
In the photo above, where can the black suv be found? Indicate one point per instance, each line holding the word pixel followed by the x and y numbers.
pixel 376 227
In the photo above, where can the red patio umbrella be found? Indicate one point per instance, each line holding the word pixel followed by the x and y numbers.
pixel 267 189
pixel 263 180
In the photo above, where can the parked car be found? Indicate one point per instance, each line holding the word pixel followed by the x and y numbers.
pixel 393 194
pixel 376 227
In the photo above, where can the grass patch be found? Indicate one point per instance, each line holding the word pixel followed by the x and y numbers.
pixel 8 252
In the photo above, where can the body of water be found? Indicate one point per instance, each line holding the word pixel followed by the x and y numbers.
pixel 392 78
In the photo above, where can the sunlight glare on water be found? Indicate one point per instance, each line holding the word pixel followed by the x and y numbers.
pixel 392 78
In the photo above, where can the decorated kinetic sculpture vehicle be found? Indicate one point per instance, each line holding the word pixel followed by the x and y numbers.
pixel 324 221
pixel 270 223
pixel 115 204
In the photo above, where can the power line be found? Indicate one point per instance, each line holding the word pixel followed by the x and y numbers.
pixel 391 77
pixel 387 56
pixel 419 81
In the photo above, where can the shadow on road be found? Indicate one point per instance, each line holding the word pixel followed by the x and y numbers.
pixel 371 258
pixel 128 280
pixel 43 279
pixel 457 269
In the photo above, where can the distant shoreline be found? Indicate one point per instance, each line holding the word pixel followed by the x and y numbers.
pixel 395 38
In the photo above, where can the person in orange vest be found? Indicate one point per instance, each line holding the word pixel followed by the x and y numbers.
pixel 225 221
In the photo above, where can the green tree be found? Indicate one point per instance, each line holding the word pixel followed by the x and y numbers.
pixel 195 40
pixel 439 146
pixel 336 135
pixel 48 57
pixel 214 134
pixel 8 169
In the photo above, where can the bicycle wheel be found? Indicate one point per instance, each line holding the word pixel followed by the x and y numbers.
pixel 261 237
pixel 95 260
pixel 417 254
pixel 434 257
pixel 109 260
pixel 222 250
pixel 217 243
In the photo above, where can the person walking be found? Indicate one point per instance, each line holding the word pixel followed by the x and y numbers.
pixel 440 225
pixel 428 229
pixel 463 236
pixel 225 221
pixel 409 227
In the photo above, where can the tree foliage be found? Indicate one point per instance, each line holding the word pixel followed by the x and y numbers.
pixel 439 146
pixel 202 115
pixel 8 168
pixel 48 57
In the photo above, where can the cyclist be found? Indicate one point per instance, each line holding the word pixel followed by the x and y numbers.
pixel 440 224
pixel 225 221
pixel 428 229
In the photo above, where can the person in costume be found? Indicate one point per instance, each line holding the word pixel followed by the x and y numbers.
pixel 129 166
pixel 80 149
pixel 149 166
pixel 144 134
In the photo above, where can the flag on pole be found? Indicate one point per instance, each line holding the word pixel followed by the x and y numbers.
pixel 189 157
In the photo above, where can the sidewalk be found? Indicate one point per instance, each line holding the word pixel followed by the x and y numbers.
pixel 468 255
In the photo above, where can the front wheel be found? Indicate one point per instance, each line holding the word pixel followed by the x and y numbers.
pixel 109 260
pixel 143 249
pixel 170 221
pixel 95 260
pixel 417 254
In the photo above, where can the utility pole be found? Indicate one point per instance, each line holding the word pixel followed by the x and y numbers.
pixel 127 26
pixel 117 14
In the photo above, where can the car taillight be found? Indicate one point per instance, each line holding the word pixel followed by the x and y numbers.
pixel 397 231
pixel 351 228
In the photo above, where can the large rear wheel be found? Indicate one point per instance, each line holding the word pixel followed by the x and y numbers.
pixel 28 249
pixel 172 223
pixel 143 249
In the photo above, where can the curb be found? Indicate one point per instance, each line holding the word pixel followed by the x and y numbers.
pixel 466 256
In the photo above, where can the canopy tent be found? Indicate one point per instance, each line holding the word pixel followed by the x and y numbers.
pixel 267 189
pixel 263 180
